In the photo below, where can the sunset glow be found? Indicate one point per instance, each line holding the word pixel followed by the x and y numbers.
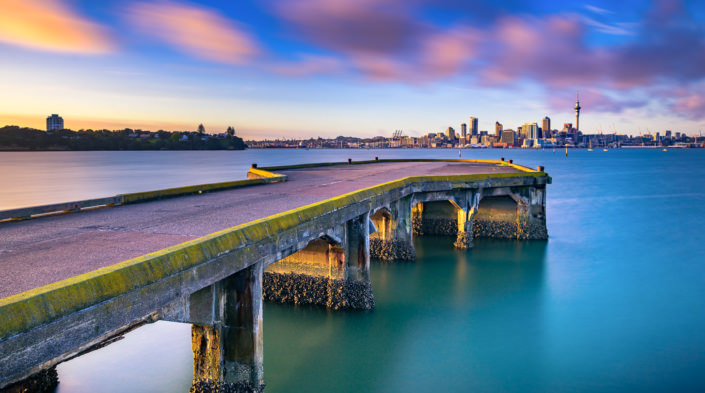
pixel 319 67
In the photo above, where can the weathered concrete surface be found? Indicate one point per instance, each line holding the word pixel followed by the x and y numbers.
pixel 38 252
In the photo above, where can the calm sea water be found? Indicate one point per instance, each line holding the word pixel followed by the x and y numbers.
pixel 613 302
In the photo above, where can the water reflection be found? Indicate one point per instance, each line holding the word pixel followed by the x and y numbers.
pixel 434 318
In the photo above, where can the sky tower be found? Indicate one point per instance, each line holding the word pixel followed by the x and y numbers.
pixel 577 112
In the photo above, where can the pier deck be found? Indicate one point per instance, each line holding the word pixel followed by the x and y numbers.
pixel 38 252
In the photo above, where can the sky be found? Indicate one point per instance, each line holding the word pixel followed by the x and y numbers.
pixel 309 68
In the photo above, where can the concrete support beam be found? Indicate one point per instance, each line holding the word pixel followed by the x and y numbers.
pixel 230 349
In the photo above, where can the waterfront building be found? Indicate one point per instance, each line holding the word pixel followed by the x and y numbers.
pixel 464 132
pixel 450 133
pixel 474 130
pixel 55 123
pixel 498 129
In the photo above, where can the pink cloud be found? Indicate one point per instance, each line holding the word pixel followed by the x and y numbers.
pixel 310 65
pixel 551 50
pixel 51 25
pixel 688 102
pixel 363 26
pixel 446 53
pixel 197 31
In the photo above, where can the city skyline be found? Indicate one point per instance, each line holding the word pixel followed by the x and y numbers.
pixel 325 68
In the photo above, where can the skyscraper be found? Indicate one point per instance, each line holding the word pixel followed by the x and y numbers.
pixel 464 131
pixel 546 127
pixel 55 123
pixel 577 112
pixel 498 129
pixel 450 132
pixel 531 130
pixel 474 131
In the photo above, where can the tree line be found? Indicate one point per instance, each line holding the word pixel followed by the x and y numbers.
pixel 23 138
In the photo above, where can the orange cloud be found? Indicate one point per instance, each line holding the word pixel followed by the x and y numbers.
pixel 196 31
pixel 50 25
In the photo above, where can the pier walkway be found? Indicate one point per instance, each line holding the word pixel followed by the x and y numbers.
pixel 35 253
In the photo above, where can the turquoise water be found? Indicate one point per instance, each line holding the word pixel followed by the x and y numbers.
pixel 614 301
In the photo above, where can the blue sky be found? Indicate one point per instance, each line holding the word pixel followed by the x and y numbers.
pixel 302 68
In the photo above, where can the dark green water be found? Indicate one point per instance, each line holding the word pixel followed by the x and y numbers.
pixel 613 302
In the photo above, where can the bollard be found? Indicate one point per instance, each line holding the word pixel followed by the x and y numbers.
pixel 540 168
pixel 254 165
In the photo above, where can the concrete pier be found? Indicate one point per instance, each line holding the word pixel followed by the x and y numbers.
pixel 305 234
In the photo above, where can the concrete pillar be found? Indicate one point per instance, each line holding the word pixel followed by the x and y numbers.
pixel 401 211
pixel 417 219
pixel 230 350
pixel 464 237
pixel 357 248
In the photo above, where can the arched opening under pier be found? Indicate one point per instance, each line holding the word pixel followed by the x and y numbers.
pixel 323 257
pixel 319 274
pixel 384 223
pixel 498 217
pixel 435 218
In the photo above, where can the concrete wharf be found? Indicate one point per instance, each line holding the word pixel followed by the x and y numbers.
pixel 69 281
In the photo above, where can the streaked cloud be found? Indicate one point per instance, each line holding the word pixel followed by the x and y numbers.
pixel 597 10
pixel 196 31
pixel 51 25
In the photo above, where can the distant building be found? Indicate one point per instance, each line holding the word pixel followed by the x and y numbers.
pixel 546 127
pixel 464 132
pixel 450 133
pixel 577 112
pixel 55 123
pixel 498 129
pixel 531 130
pixel 474 130
pixel 507 137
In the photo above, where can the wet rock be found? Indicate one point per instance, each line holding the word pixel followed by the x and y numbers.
pixel 212 386
pixel 435 226
pixel 509 230
pixel 44 381
pixel 391 250
pixel 463 241
pixel 323 291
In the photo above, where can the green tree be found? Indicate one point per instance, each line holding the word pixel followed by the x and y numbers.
pixel 201 129
pixel 230 132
